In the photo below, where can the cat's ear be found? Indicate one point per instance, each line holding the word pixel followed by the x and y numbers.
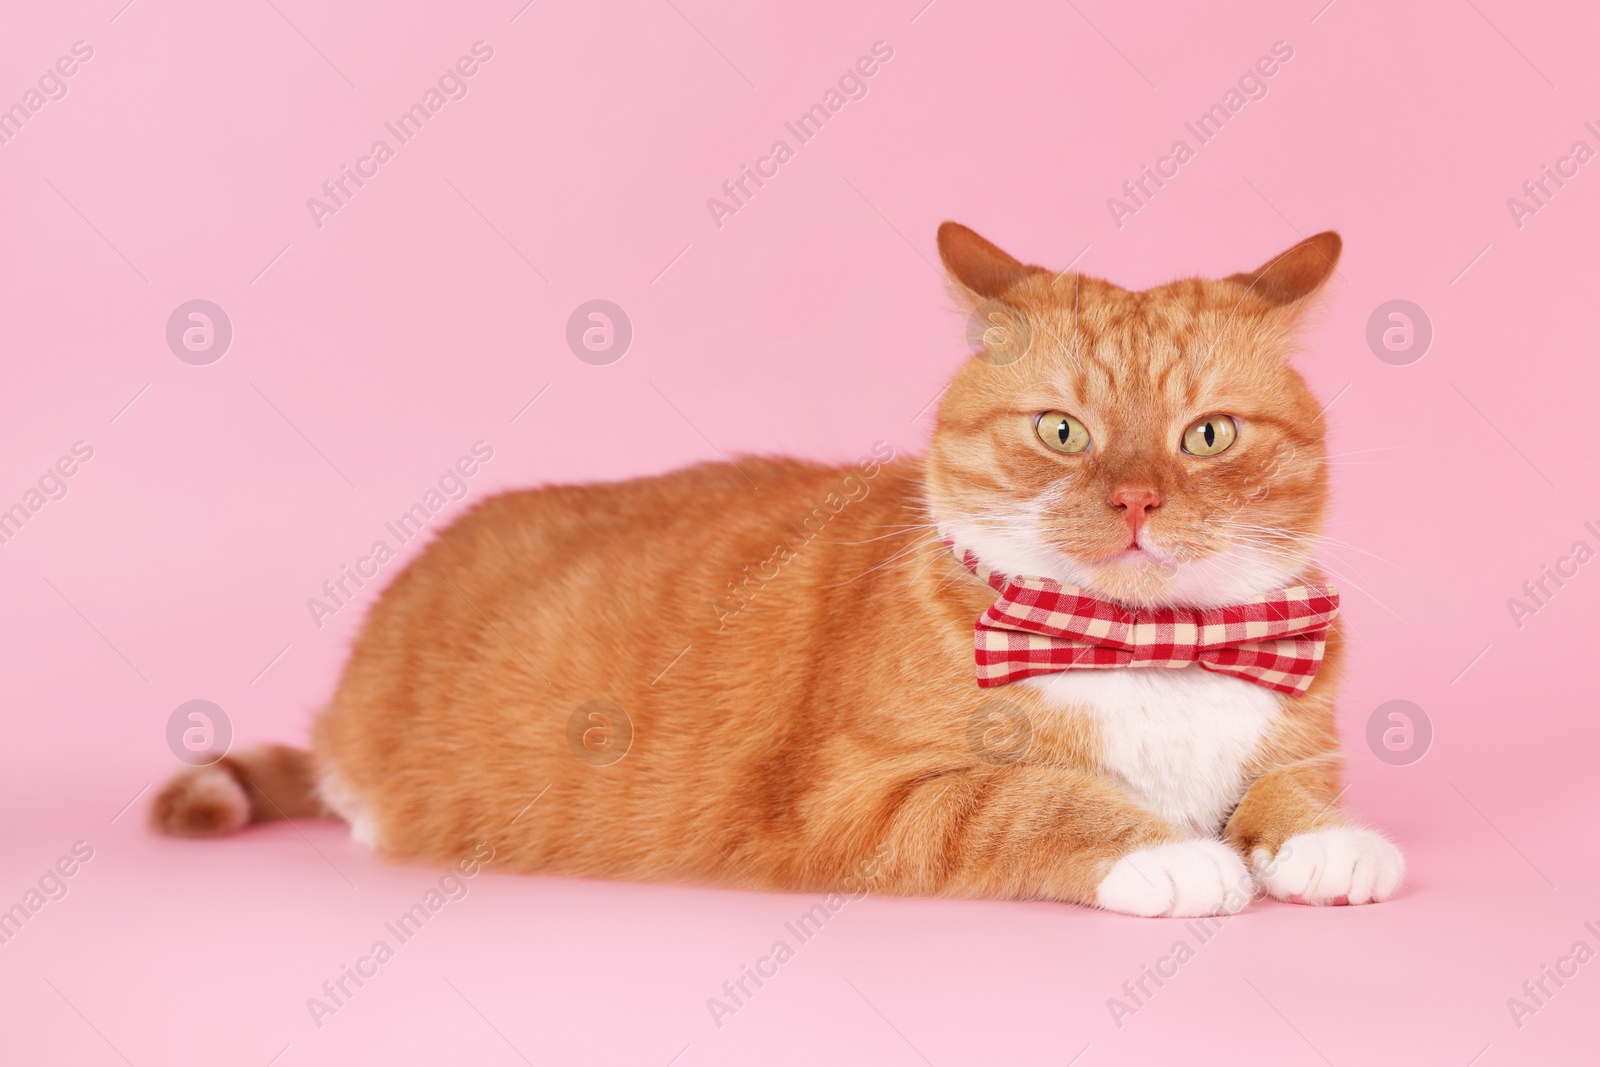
pixel 978 268
pixel 1289 279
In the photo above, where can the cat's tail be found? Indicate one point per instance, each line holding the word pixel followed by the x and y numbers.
pixel 256 785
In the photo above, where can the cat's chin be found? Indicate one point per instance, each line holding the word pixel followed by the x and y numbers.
pixel 1135 577
pixel 1150 578
pixel 1144 578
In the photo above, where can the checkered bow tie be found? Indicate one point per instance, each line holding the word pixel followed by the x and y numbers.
pixel 1039 626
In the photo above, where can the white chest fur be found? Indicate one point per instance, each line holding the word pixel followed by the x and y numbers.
pixel 1175 740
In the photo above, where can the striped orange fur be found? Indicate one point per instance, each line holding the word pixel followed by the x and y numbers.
pixel 762 675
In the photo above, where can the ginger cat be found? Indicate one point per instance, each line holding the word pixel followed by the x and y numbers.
pixel 763 675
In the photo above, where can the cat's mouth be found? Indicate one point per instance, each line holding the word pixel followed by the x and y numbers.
pixel 1139 551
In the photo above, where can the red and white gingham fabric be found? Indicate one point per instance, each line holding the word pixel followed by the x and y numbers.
pixel 1039 626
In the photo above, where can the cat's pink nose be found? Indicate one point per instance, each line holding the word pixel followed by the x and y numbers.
pixel 1135 502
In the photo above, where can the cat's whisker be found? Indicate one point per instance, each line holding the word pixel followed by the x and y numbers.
pixel 1322 540
pixel 1343 579
pixel 930 540
pixel 881 537
pixel 1364 451
pixel 933 557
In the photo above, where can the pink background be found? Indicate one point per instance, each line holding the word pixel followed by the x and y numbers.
pixel 373 351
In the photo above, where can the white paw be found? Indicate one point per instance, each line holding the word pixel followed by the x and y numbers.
pixel 1199 877
pixel 1337 865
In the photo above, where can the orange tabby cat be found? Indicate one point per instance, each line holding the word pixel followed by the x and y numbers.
pixel 763 675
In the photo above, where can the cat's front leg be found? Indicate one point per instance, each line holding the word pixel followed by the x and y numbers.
pixel 1301 849
pixel 1032 831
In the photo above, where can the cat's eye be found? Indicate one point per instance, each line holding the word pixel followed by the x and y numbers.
pixel 1062 432
pixel 1210 435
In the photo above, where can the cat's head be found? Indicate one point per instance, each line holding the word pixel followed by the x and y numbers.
pixel 1155 447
